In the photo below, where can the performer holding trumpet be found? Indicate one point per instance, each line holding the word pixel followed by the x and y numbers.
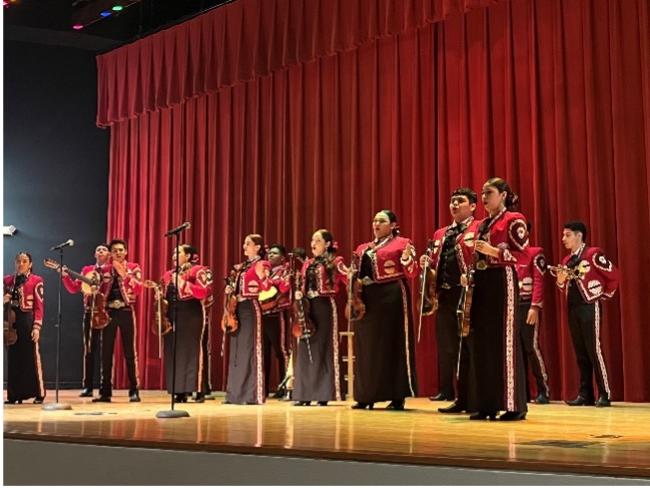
pixel 587 277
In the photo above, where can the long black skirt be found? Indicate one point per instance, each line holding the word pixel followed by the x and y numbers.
pixel 319 379
pixel 497 364
pixel 245 363
pixel 190 358
pixel 384 347
pixel 24 370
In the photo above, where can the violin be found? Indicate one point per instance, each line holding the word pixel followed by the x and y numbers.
pixel 355 309
pixel 302 327
pixel 161 323
pixel 427 301
pixel 229 321
pixel 465 305
pixel 10 334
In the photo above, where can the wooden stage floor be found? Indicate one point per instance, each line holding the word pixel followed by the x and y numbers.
pixel 554 438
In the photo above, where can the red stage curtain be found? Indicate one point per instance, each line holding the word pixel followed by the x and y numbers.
pixel 554 96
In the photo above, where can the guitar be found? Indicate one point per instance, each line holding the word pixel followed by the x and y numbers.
pixel 90 282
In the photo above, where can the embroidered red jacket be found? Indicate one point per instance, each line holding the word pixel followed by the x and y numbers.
pixel 131 285
pixel 195 283
pixel 254 279
pixel 74 286
pixel 464 245
pixel 508 232
pixel 600 279
pixel 326 287
pixel 281 278
pixel 530 271
pixel 30 296
pixel 387 264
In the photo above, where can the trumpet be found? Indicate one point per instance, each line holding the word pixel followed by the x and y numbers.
pixel 572 273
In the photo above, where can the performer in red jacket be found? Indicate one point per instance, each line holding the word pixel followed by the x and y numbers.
pixel 587 277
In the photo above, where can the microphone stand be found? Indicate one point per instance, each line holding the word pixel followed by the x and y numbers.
pixel 59 321
pixel 173 413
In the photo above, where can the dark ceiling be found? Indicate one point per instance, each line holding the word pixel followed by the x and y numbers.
pixel 52 21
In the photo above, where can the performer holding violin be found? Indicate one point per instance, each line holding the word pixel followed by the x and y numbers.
pixel 94 300
pixel 123 286
pixel 23 319
pixel 242 321
pixel 446 261
pixel 384 345
pixel 274 314
pixel 194 292
pixel 499 381
pixel 316 364
pixel 587 277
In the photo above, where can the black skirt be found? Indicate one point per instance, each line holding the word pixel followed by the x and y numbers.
pixel 190 358
pixel 497 377
pixel 319 379
pixel 384 347
pixel 24 370
pixel 245 363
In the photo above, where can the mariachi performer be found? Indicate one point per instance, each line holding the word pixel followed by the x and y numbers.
pixel 384 346
pixel 530 272
pixel 587 277
pixel 190 299
pixel 498 382
pixel 446 262
pixel 23 309
pixel 316 364
pixel 242 322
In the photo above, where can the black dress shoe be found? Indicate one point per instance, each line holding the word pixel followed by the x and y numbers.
pixel 279 393
pixel 513 416
pixel 395 405
pixel 86 392
pixel 102 398
pixel 603 401
pixel 180 398
pixel 134 396
pixel 301 404
pixel 199 398
pixel 441 397
pixel 361 406
pixel 13 402
pixel 453 408
pixel 322 404
pixel 579 401
pixel 38 400
pixel 483 416
pixel 542 399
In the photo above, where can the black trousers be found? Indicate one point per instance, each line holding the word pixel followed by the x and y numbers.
pixel 92 350
pixel 585 321
pixel 529 337
pixel 464 375
pixel 447 339
pixel 272 344
pixel 124 320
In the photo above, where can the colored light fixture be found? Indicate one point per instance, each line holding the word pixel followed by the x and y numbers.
pixel 105 13
pixel 117 8
pixel 78 26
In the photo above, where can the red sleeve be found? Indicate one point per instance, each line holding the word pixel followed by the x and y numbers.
pixel 410 266
pixel 73 286
pixel 539 269
pixel 39 304
pixel 341 275
pixel 607 272
pixel 516 243
pixel 133 280
pixel 201 287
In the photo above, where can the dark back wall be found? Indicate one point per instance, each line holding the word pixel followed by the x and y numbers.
pixel 55 179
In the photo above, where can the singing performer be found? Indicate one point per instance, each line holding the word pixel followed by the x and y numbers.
pixel 274 320
pixel 446 261
pixel 91 338
pixel 530 273
pixel 316 364
pixel 499 381
pixel 23 296
pixel 245 384
pixel 587 277
pixel 384 346
pixel 123 287
pixel 193 293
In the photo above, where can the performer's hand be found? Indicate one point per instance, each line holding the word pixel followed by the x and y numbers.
pixel 424 261
pixel 229 290
pixel 463 280
pixel 63 270
pixel 120 268
pixel 36 333
pixel 298 295
pixel 7 298
pixel 533 316
pixel 484 248
pixel 408 252
pixel 562 276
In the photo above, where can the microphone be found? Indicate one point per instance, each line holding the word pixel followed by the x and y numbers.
pixel 176 230
pixel 68 243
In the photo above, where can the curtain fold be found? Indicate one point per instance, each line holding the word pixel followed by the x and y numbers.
pixel 551 95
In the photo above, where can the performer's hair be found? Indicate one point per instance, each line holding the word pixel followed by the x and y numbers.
pixel 577 226
pixel 466 192
pixel 29 256
pixel 279 247
pixel 191 251
pixel 259 241
pixel 512 199
pixel 300 253
pixel 102 244
pixel 392 218
pixel 117 241
pixel 328 237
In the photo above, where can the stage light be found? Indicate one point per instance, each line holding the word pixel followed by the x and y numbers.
pixel 105 13
pixel 77 26
pixel 117 8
